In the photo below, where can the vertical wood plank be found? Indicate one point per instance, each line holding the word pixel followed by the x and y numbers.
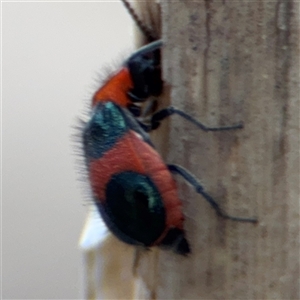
pixel 227 62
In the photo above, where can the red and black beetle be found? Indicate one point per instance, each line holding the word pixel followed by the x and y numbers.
pixel 132 187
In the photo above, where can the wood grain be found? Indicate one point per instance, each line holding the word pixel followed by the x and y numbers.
pixel 226 62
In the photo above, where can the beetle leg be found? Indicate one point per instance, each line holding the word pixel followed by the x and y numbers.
pixel 200 190
pixel 167 112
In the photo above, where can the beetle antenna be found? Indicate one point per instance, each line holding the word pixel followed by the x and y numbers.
pixel 143 27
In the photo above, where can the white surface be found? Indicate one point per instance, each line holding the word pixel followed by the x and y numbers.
pixel 52 53
pixel 94 232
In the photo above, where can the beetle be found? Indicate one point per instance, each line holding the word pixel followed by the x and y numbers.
pixel 132 187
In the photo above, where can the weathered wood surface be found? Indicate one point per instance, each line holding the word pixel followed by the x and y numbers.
pixel 226 62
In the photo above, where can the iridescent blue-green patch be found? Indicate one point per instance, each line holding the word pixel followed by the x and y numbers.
pixel 105 127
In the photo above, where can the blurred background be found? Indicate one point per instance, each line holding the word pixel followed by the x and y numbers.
pixel 52 55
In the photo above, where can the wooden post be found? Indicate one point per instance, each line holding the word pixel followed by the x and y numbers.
pixel 226 62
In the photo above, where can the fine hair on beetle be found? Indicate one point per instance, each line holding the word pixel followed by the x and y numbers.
pixel 102 76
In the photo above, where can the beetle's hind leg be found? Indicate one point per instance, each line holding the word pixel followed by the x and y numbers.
pixel 200 190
